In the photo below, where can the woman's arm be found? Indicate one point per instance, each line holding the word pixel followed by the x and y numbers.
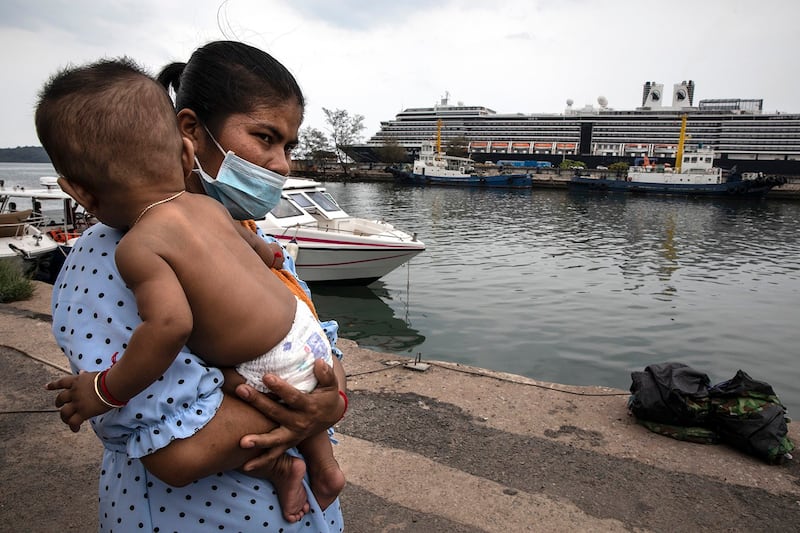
pixel 215 448
pixel 220 445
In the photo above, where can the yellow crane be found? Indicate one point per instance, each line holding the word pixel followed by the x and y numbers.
pixel 681 141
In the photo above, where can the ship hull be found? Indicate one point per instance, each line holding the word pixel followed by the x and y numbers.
pixel 504 181
pixel 750 188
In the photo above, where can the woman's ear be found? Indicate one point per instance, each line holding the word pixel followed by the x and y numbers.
pixel 190 127
pixel 81 194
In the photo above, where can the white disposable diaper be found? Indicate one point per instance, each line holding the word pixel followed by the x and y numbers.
pixel 292 359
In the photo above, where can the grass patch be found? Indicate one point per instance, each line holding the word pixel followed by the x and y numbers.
pixel 15 284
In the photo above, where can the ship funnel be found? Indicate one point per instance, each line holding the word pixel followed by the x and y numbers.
pixel 654 95
pixel 683 94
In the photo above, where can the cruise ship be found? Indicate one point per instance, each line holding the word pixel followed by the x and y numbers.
pixel 739 132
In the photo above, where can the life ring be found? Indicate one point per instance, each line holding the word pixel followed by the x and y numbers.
pixel 61 236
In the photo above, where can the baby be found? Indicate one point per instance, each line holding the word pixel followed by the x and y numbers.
pixel 200 279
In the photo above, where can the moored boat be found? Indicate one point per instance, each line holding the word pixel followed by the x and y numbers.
pixel 54 211
pixel 21 237
pixel 434 167
pixel 331 246
pixel 693 175
pixel 39 225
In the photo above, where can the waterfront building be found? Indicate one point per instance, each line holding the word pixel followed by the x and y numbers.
pixel 737 130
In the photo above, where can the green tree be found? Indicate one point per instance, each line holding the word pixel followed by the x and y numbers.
pixel 391 152
pixel 345 130
pixel 314 147
pixel 619 168
pixel 457 146
pixel 569 163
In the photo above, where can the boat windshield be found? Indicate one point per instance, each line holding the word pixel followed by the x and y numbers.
pixel 324 200
pixel 285 209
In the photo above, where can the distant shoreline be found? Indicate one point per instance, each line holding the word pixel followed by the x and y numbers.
pixel 24 154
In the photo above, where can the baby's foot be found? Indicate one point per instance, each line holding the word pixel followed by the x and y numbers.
pixel 288 483
pixel 327 481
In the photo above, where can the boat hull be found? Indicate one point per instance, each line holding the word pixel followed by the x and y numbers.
pixel 330 246
pixel 505 181
pixel 323 259
pixel 751 188
pixel 28 246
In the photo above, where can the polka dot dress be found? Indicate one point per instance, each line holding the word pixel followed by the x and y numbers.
pixel 93 317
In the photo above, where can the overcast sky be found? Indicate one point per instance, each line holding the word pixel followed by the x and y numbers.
pixel 377 57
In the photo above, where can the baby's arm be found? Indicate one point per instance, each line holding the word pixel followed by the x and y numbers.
pixel 166 319
pixel 270 253
pixel 166 325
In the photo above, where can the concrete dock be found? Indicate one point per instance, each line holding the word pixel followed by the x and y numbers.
pixel 450 448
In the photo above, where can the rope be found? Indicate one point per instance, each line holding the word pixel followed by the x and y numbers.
pixel 482 374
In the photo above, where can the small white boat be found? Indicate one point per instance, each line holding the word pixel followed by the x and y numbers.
pixel 38 226
pixel 20 237
pixel 330 245
pixel 54 212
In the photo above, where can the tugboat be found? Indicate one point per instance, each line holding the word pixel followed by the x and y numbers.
pixel 434 167
pixel 694 175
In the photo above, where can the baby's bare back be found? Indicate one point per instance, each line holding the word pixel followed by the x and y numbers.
pixel 239 306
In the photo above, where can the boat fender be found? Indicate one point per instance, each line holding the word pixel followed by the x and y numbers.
pixel 293 249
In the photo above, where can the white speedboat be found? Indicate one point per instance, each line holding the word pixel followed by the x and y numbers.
pixel 20 237
pixel 330 245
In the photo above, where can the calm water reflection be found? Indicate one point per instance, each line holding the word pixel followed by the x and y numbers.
pixel 584 289
pixel 578 289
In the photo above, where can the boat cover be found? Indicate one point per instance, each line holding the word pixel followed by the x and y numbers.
pixel 676 400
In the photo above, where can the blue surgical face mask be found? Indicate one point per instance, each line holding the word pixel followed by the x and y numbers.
pixel 245 189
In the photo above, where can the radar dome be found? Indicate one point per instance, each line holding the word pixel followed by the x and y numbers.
pixel 602 100
pixel 570 102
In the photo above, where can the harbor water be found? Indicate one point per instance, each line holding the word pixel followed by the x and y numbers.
pixel 576 288
pixel 584 289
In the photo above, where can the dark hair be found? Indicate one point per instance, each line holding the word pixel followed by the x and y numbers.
pixel 227 77
pixel 100 121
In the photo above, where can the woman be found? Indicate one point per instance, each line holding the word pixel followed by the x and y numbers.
pixel 229 96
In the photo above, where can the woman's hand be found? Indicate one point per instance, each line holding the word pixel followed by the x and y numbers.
pixel 299 416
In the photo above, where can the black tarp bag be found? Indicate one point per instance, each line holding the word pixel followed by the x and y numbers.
pixel 670 393
pixel 747 414
pixel 675 400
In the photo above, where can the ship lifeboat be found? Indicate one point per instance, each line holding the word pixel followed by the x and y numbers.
pixel 478 146
pixel 499 146
pixel 665 148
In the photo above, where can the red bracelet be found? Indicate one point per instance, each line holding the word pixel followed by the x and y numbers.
pixel 344 397
pixel 106 393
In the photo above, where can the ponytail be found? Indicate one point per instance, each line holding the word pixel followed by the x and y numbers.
pixel 170 76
